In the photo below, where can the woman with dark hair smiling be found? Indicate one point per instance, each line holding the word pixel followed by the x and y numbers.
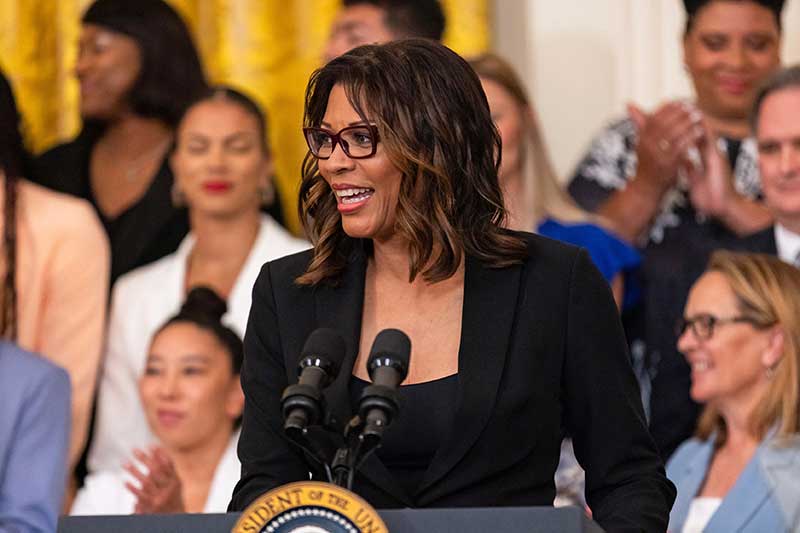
pixel 138 71
pixel 514 336
pixel 190 392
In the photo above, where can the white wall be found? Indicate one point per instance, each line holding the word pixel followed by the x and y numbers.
pixel 584 59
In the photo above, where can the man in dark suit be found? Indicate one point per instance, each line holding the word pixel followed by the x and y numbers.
pixel 776 125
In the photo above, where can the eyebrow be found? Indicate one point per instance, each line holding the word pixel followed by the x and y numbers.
pixel 356 123
pixel 194 358
pixel 351 25
pixel 189 358
pixel 243 133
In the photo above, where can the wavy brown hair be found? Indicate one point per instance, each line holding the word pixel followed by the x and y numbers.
pixel 766 291
pixel 433 118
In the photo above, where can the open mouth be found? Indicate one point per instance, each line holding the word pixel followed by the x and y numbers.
pixel 354 196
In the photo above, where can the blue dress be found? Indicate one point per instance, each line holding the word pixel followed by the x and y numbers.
pixel 611 255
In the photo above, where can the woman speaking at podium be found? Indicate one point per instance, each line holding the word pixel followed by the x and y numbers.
pixel 515 337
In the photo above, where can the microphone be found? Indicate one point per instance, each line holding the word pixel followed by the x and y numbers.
pixel 320 361
pixel 387 367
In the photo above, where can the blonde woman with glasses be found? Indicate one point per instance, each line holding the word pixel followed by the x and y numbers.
pixel 740 334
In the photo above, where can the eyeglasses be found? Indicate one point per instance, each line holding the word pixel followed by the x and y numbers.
pixel 703 325
pixel 358 142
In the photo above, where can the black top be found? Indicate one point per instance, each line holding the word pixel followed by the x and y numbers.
pixel 541 349
pixel 148 230
pixel 674 254
pixel 422 424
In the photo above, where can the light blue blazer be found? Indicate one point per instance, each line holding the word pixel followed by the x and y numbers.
pixel 765 498
pixel 34 437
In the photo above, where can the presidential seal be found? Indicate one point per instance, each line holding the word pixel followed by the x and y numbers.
pixel 309 507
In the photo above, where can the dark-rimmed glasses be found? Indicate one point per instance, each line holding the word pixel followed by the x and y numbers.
pixel 703 324
pixel 358 142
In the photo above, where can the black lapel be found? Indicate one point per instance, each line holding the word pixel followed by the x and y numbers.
pixel 761 242
pixel 770 246
pixel 341 308
pixel 490 301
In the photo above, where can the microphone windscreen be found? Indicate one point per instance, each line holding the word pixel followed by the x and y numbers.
pixel 327 344
pixel 391 343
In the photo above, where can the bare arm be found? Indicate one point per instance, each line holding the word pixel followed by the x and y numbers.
pixel 663 140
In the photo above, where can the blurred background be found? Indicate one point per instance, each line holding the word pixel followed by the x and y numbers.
pixel 582 60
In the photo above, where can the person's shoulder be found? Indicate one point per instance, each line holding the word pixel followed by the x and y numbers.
pixel 289 267
pixel 784 449
pixel 141 282
pixel 599 241
pixel 27 369
pixel 540 246
pixel 41 198
pixel 63 167
pixel 762 241
pixel 621 125
pixel 63 151
pixel 57 211
pixel 279 241
pixel 547 258
pixel 685 454
pixel 579 231
pixel 615 135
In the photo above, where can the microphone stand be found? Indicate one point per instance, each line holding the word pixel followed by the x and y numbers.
pixel 364 432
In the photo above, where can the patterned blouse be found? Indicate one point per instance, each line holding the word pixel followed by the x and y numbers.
pixel 611 162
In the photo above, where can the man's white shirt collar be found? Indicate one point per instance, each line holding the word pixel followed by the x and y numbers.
pixel 787 243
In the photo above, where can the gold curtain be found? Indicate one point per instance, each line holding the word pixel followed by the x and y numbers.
pixel 267 48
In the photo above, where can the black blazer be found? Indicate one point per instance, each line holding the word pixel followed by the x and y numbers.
pixel 541 349
pixel 761 242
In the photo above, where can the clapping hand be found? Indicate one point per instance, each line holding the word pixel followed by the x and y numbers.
pixel 159 489
pixel 664 137
pixel 710 184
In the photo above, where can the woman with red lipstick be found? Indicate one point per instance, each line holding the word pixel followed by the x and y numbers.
pixel 682 180
pixel 222 170
pixel 514 337
pixel 192 399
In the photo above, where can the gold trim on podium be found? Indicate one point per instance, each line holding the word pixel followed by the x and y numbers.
pixel 288 507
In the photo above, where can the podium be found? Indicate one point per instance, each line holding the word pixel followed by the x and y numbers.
pixel 466 520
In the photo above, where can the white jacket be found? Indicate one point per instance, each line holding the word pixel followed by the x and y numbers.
pixel 142 300
pixel 104 493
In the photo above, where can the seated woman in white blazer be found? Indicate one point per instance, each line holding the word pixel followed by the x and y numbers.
pixel 193 402
pixel 741 336
pixel 222 170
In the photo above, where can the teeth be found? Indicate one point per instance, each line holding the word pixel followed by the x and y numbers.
pixel 700 365
pixel 344 193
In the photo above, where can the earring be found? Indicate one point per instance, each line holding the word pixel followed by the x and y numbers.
pixel 770 372
pixel 177 196
pixel 267 194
